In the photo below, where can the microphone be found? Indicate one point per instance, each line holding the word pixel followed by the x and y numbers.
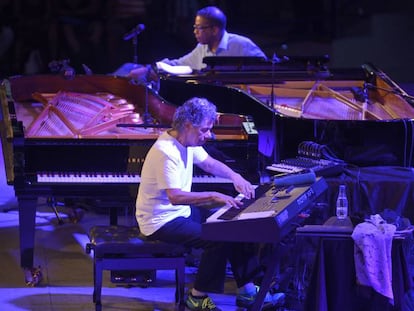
pixel 303 177
pixel 134 31
pixel 88 71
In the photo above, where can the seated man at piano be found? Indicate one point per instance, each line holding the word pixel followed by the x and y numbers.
pixel 168 210
pixel 213 40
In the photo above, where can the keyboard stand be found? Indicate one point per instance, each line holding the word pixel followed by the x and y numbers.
pixel 267 277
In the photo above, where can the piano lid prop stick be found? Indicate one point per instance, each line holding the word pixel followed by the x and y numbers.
pixel 301 178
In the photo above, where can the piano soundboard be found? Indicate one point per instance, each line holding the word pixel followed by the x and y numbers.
pixel 267 218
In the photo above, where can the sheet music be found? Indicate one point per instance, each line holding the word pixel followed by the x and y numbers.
pixel 177 70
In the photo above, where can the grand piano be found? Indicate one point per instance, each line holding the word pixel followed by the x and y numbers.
pixel 361 114
pixel 86 138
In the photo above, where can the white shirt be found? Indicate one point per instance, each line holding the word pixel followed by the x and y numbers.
pixel 168 165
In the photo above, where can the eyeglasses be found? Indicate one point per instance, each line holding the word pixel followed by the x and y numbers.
pixel 199 27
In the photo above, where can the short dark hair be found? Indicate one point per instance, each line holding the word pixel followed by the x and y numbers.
pixel 195 110
pixel 214 15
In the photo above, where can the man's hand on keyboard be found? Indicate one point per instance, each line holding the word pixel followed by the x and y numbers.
pixel 227 200
pixel 243 186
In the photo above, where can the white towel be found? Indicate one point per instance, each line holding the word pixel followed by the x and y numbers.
pixel 372 252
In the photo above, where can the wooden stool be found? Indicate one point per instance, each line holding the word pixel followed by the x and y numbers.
pixel 119 248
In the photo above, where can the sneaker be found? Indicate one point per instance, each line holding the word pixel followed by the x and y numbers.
pixel 247 299
pixel 202 303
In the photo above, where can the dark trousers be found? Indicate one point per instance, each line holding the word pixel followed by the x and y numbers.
pixel 212 268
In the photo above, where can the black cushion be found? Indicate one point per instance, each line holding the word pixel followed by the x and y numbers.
pixel 115 241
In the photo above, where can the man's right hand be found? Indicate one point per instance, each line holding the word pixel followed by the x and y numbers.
pixel 224 199
pixel 139 73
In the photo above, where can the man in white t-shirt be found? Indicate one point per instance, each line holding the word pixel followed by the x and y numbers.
pixel 166 206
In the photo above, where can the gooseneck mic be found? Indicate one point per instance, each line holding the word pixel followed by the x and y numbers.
pixel 299 178
pixel 134 31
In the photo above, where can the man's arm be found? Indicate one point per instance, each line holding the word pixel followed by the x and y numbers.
pixel 217 168
pixel 205 198
pixel 194 59
pixel 213 198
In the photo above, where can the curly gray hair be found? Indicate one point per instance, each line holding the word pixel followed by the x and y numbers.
pixel 195 110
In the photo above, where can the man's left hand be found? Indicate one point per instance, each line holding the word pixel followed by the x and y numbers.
pixel 243 186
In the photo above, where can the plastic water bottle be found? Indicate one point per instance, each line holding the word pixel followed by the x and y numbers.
pixel 342 203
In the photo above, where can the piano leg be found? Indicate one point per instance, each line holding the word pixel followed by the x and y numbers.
pixel 267 277
pixel 27 222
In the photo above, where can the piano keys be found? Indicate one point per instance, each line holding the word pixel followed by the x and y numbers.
pixel 116 178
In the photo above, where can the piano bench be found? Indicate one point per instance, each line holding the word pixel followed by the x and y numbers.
pixel 118 248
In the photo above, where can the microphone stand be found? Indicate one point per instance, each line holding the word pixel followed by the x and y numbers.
pixel 273 110
pixel 135 48
pixel 148 121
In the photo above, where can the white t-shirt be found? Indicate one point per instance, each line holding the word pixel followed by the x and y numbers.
pixel 168 165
